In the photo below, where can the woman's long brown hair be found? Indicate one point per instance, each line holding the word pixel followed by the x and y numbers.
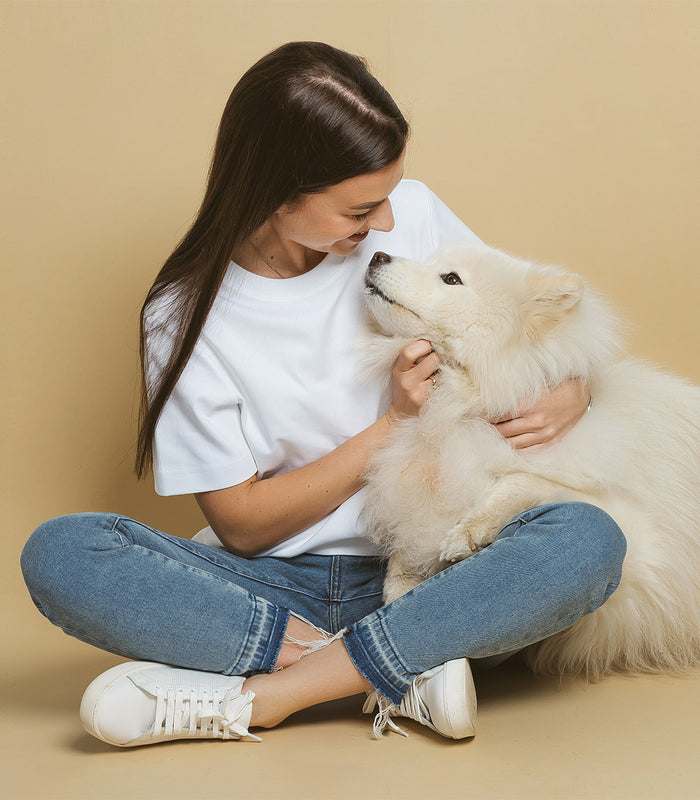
pixel 303 118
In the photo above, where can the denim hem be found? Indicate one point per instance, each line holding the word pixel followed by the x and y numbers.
pixel 260 650
pixel 372 654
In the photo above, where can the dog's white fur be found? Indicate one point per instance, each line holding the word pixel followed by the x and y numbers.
pixel 445 482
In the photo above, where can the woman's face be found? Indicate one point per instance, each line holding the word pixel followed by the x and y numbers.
pixel 339 218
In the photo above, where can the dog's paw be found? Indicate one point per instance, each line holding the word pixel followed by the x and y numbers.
pixel 457 545
pixel 481 532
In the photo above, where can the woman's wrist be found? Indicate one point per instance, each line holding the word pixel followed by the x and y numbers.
pixel 390 418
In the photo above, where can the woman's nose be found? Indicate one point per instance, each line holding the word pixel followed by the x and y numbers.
pixel 382 218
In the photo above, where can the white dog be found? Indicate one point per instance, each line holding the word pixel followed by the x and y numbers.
pixel 445 482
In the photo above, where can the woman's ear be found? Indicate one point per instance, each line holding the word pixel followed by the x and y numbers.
pixel 291 205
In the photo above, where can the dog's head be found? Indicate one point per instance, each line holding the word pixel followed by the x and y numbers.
pixel 496 317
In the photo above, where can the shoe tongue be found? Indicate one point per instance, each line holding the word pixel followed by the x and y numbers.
pixel 148 681
pixel 172 679
pixel 185 680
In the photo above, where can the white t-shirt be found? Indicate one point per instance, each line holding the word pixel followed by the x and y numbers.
pixel 274 381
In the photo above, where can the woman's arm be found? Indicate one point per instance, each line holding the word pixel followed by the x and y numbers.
pixel 550 419
pixel 257 514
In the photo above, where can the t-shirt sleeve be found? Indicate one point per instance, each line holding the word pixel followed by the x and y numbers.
pixel 199 442
pixel 445 225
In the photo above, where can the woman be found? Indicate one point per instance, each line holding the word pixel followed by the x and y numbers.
pixel 254 402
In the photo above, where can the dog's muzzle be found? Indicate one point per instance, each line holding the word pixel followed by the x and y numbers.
pixel 379 259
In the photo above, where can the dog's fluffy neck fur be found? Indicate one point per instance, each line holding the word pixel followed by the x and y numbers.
pixel 497 386
pixel 500 385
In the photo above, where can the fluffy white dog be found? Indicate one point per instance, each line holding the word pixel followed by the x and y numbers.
pixel 445 483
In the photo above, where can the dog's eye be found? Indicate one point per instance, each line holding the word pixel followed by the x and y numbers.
pixel 452 279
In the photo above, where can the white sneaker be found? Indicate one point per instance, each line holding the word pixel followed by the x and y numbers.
pixel 443 698
pixel 141 702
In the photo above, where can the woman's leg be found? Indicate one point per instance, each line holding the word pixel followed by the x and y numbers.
pixel 548 567
pixel 327 674
pixel 135 591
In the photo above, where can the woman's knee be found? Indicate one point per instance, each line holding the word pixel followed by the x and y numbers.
pixel 54 551
pixel 578 536
pixel 585 549
pixel 596 545
pixel 597 532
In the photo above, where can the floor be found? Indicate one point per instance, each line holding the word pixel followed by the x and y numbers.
pixel 539 738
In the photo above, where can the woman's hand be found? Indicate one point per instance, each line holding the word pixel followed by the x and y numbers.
pixel 412 379
pixel 550 419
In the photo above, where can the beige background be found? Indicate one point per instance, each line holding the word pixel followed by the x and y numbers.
pixel 566 131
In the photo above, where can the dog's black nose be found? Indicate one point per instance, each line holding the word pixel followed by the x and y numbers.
pixel 380 258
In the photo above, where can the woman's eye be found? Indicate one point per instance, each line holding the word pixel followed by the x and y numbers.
pixel 360 217
pixel 452 279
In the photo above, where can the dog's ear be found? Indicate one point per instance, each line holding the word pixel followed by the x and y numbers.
pixel 552 298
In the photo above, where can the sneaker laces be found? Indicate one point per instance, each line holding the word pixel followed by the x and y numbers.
pixel 412 707
pixel 385 711
pixel 210 715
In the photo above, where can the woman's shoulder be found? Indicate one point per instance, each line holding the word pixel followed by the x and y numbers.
pixel 413 201
pixel 422 218
pixel 410 190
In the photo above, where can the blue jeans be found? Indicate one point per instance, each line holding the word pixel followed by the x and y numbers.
pixel 143 594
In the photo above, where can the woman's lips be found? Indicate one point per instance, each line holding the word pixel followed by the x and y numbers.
pixel 358 237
